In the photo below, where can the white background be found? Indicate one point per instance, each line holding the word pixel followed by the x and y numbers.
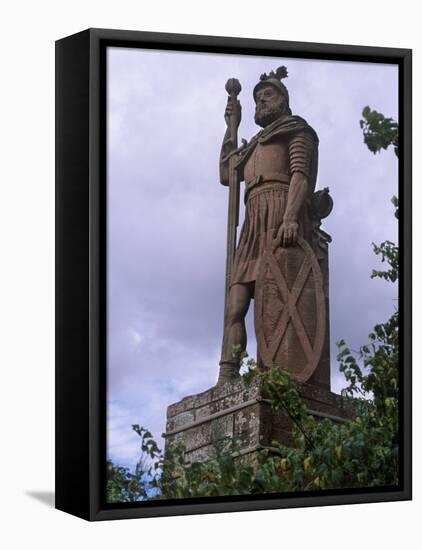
pixel 29 30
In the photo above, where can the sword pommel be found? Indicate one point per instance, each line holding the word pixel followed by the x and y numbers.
pixel 233 87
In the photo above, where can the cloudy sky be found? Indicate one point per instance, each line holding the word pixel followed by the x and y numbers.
pixel 167 216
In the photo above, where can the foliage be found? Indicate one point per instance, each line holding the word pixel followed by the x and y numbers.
pixel 379 132
pixel 389 252
pixel 124 486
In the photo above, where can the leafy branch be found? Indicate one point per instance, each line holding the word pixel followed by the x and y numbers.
pixel 379 132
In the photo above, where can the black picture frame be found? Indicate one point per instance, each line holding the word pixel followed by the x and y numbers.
pixel 81 271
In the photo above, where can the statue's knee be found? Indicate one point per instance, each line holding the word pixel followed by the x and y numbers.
pixel 235 315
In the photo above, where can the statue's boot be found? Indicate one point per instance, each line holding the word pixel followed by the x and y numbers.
pixel 229 372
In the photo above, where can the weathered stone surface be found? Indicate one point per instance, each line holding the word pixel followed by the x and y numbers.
pixel 281 262
pixel 290 316
pixel 281 257
pixel 237 411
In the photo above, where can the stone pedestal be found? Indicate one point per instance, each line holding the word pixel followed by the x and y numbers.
pixel 236 410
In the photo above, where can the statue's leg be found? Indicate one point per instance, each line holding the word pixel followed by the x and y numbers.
pixel 234 331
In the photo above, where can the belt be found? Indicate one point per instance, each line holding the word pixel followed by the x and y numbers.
pixel 276 177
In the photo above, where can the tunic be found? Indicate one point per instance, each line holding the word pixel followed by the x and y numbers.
pixel 287 146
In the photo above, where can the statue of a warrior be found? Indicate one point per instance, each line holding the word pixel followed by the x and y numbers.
pixel 281 257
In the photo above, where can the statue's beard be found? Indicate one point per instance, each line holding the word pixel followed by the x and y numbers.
pixel 266 114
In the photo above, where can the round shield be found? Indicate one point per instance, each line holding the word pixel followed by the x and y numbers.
pixel 290 311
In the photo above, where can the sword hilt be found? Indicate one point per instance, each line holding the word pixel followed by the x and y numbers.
pixel 233 88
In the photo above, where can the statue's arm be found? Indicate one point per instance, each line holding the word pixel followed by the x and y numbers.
pixel 233 112
pixel 298 191
pixel 226 149
pixel 303 151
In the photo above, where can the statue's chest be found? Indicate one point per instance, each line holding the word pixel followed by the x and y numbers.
pixel 271 157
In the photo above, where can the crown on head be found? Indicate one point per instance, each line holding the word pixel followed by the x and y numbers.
pixel 279 74
pixel 274 78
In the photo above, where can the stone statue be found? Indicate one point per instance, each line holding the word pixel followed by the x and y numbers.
pixel 281 262
pixel 281 259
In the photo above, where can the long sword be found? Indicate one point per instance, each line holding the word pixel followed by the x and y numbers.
pixel 233 88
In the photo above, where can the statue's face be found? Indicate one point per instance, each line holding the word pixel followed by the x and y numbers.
pixel 270 105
